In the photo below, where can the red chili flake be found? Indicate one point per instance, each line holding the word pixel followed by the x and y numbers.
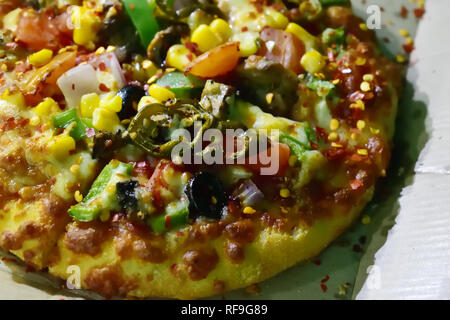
pixel 386 40
pixel 327 277
pixel 321 133
pixel 102 66
pixel 404 12
pixel 317 262
pixel 419 13
pixel 356 184
pixel 108 143
pixel 192 85
pixel 73 86
pixel 90 132
pixel 244 29
pixel 190 56
pixel 72 152
pixel 8 259
pixel 232 207
pixel 168 222
pixel 180 234
pixel 174 268
pixel 103 87
pixel 191 46
pixel 408 47
pixel 277 6
pixel 323 287
pixel 29 269
pixel 330 54
pixel 132 6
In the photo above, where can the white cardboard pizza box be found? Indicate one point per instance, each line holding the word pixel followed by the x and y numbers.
pixel 406 247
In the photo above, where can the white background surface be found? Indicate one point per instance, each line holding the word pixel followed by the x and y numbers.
pixel 414 263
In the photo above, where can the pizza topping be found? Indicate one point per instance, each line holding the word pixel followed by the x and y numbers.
pixel 206 195
pixel 102 195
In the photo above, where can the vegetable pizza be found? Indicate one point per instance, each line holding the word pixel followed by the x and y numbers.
pixel 186 148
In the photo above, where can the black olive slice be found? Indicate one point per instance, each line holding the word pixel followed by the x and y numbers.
pixel 206 195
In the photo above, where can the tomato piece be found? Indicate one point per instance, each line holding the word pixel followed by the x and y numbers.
pixel 277 150
pixel 286 49
pixel 216 62
pixel 37 84
pixel 53 31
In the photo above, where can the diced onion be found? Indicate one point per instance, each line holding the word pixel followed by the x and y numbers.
pixel 78 81
pixel 248 193
pixel 83 78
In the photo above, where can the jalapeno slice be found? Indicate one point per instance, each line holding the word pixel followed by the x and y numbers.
pixel 152 127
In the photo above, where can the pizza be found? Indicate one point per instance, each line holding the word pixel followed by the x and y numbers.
pixel 185 148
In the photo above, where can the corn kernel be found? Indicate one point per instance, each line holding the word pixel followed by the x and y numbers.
pixel 269 97
pixel 89 102
pixel 365 86
pixel 400 58
pixel 41 57
pixel 205 38
pixel 146 100
pixel 85 25
pixel 111 102
pixel 362 152
pixel 360 61
pixel 403 32
pixel 46 107
pixel 249 210
pixel 307 38
pixel 336 145
pixel 368 77
pixel 275 19
pixel 312 61
pixel 160 93
pixel 285 193
pixel 247 43
pixel 363 27
pixel 34 121
pixel 105 119
pixel 78 196
pixel 374 131
pixel 334 124
pixel 149 67
pixel 333 136
pixel 360 124
pixel 179 57
pixel 100 50
pixel 353 136
pixel 110 49
pixel 358 105
pixel 221 28
pixel 61 146
pixel 365 219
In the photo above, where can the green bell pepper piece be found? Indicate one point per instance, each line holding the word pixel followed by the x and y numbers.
pixel 176 215
pixel 184 86
pixel 141 13
pixel 297 148
pixel 64 119
pixel 98 198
